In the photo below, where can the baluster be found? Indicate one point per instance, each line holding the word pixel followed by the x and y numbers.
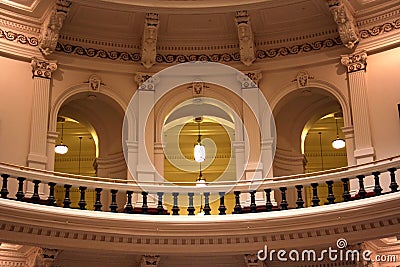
pixel 238 208
pixel 315 200
pixel 129 206
pixel 284 203
pixel 346 193
pixel 144 204
pixel 331 197
pixel 253 206
pixel 377 188
pixel 299 201
pixel 222 208
pixel 51 200
pixel 113 205
pixel 67 200
pixel 361 192
pixel 20 194
pixel 206 209
pixel 393 184
pixel 35 197
pixel 268 203
pixel 97 203
pixel 190 208
pixel 82 201
pixel 175 208
pixel 160 207
pixel 4 190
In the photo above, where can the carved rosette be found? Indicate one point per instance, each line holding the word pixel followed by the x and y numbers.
pixel 149 40
pixel 43 68
pixel 246 38
pixel 51 27
pixel 345 21
pixel 355 62
pixel 149 261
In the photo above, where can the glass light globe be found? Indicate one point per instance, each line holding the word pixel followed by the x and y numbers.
pixel 199 153
pixel 61 149
pixel 201 182
pixel 338 143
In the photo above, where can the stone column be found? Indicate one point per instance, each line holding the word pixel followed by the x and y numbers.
pixel 252 113
pixel 149 261
pixel 251 260
pixel 356 64
pixel 349 137
pixel 145 126
pixel 42 72
pixel 51 143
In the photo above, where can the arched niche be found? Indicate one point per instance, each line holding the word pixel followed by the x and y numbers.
pixel 103 112
pixel 296 109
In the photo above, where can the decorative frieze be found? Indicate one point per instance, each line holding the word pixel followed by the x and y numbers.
pixel 246 38
pixel 149 261
pixel 51 27
pixel 20 38
pixel 345 21
pixel 43 68
pixel 355 62
pixel 149 40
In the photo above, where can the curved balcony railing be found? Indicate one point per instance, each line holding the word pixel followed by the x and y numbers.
pixel 382 171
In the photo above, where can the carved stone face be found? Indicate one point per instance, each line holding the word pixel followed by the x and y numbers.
pixel 244 34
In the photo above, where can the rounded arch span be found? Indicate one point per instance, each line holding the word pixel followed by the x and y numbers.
pixel 166 104
pixel 319 84
pixel 77 89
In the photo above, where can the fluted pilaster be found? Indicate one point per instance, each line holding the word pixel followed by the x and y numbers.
pixel 356 64
pixel 42 71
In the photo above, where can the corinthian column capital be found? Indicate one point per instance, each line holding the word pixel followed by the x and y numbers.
pixel 355 62
pixel 43 68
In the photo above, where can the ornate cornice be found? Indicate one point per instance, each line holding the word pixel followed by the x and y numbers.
pixel 355 62
pixel 19 38
pixel 43 68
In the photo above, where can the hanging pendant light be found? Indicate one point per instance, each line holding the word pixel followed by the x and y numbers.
pixel 61 148
pixel 199 150
pixel 338 143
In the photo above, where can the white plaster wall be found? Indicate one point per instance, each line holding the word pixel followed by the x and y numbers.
pixel 383 79
pixel 16 87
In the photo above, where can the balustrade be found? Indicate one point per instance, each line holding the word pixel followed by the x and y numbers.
pixel 25 175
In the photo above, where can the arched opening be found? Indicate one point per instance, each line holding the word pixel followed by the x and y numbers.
pixel 300 116
pixel 209 122
pixel 92 129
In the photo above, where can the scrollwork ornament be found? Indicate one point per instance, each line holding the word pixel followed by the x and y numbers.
pixel 43 68
pixel 355 62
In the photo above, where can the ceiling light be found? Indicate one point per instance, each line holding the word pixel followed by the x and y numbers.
pixel 61 148
pixel 338 143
